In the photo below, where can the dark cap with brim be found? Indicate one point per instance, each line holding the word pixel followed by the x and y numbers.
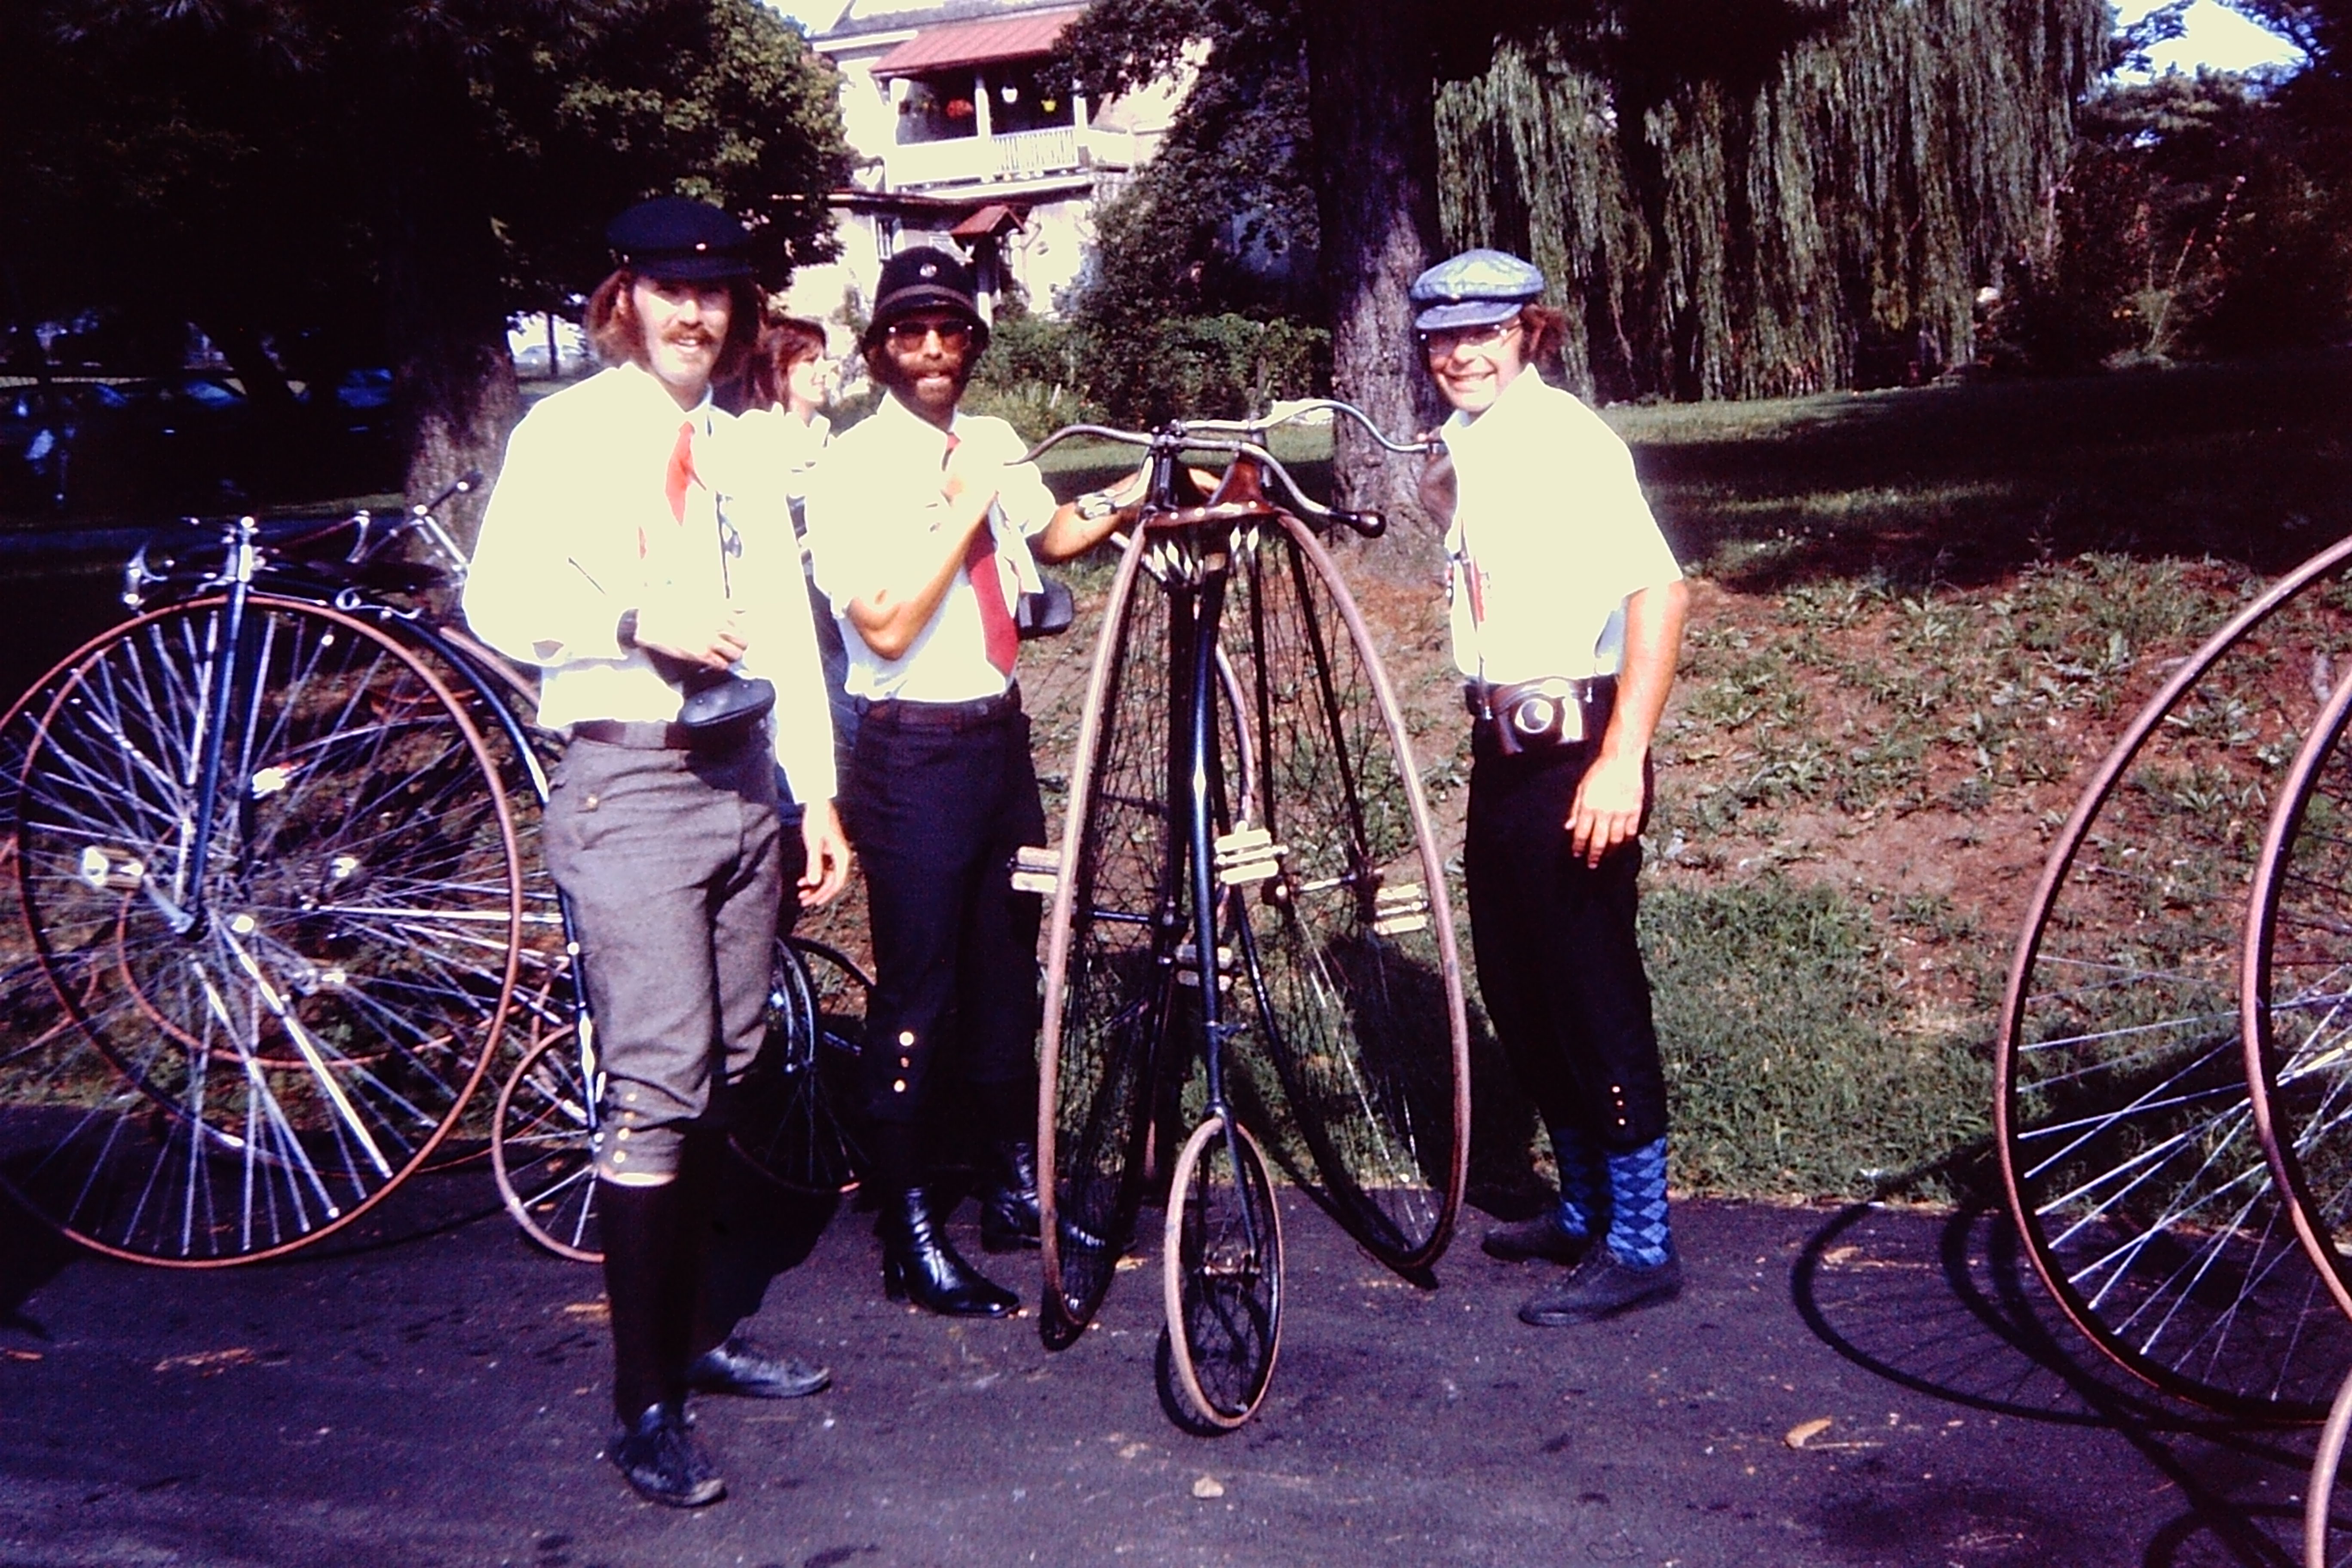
pixel 923 278
pixel 679 240
pixel 1475 289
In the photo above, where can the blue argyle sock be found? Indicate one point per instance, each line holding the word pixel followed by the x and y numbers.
pixel 1583 1195
pixel 1637 1206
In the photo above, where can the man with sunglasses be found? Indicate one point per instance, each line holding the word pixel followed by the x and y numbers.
pixel 924 529
pixel 607 560
pixel 1567 610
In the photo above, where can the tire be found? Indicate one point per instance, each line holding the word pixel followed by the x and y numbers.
pixel 2326 1513
pixel 2122 1114
pixel 242 1090
pixel 1116 910
pixel 2293 1017
pixel 801 1122
pixel 543 1147
pixel 1221 1276
pixel 1351 1055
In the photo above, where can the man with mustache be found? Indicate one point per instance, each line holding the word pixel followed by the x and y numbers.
pixel 924 527
pixel 607 560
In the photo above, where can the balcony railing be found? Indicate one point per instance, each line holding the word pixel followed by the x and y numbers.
pixel 1024 156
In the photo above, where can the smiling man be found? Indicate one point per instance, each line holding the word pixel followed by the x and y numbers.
pixel 607 559
pixel 923 528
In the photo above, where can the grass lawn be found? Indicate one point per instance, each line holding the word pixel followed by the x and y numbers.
pixel 1921 617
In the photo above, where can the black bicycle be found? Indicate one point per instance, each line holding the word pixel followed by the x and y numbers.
pixel 1247 881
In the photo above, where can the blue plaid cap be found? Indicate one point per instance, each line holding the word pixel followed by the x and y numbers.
pixel 1475 289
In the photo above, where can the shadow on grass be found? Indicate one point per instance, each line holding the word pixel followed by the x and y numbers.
pixel 1963 484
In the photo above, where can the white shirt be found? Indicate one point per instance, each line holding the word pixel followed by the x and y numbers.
pixel 579 529
pixel 1550 519
pixel 875 516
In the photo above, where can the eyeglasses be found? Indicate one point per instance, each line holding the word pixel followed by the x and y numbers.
pixel 1441 343
pixel 910 335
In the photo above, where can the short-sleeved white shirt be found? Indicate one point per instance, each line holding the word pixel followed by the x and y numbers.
pixel 1549 516
pixel 875 516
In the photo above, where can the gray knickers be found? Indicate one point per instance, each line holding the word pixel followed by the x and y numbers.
pixel 671 865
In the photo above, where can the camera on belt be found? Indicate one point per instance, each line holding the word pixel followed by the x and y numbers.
pixel 1530 715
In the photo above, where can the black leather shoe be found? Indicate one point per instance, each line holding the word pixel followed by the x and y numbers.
pixel 1540 1237
pixel 921 1265
pixel 661 1459
pixel 1601 1287
pixel 739 1365
pixel 1009 1217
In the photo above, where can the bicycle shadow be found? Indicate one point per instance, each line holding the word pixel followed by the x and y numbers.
pixel 31 1255
pixel 1949 1308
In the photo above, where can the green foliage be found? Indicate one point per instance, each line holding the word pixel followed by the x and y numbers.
pixel 2192 221
pixel 1797 1059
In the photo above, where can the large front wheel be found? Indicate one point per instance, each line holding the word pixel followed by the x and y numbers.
pixel 231 1056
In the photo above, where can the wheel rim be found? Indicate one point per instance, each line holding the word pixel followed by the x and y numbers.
pixel 248 1089
pixel 1105 992
pixel 2296 1004
pixel 1353 1057
pixel 1221 1276
pixel 543 1148
pixel 2123 1117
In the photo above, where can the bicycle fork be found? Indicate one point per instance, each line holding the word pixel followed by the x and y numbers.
pixel 1205 602
pixel 186 919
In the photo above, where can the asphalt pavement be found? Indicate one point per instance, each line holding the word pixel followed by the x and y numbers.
pixel 433 1391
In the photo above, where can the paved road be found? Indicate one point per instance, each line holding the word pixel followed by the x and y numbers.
pixel 433 1393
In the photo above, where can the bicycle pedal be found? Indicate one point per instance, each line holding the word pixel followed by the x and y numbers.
pixel 1036 868
pixel 1188 966
pixel 1399 910
pixel 1247 855
pixel 107 872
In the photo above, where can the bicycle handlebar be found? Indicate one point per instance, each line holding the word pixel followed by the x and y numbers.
pixel 1235 437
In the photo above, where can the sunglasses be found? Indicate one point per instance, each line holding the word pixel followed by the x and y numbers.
pixel 1441 343
pixel 910 335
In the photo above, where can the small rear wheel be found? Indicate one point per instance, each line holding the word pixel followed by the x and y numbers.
pixel 1221 1276
pixel 543 1147
pixel 802 1124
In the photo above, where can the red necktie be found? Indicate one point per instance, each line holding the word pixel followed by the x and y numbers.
pixel 979 565
pixel 680 477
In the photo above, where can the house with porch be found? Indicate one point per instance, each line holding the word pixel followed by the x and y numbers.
pixel 965 144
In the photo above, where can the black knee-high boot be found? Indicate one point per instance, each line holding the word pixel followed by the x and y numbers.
pixel 641 1226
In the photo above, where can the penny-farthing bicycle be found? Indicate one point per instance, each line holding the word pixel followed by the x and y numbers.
pixel 1247 882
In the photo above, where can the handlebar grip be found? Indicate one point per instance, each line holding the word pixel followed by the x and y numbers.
pixel 1370 524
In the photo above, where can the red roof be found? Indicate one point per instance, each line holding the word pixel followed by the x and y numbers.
pixel 988 220
pixel 978 43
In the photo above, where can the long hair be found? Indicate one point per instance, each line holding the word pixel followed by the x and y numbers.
pixel 619 338
pixel 784 342
pixel 1546 328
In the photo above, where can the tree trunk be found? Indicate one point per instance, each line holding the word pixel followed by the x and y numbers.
pixel 454 395
pixel 1369 102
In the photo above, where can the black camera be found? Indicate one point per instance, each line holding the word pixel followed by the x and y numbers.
pixel 716 701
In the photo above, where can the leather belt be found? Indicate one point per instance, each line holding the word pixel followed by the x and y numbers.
pixel 647 736
pixel 901 714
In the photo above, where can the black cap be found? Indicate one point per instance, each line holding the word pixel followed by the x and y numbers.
pixel 923 278
pixel 681 241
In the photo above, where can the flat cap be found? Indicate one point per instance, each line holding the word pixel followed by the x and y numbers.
pixel 1475 289
pixel 680 241
pixel 923 278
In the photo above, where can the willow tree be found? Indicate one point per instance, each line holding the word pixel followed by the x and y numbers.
pixel 1731 196
pixel 1742 200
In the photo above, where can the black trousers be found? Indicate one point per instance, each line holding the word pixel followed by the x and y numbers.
pixel 1559 966
pixel 935 813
